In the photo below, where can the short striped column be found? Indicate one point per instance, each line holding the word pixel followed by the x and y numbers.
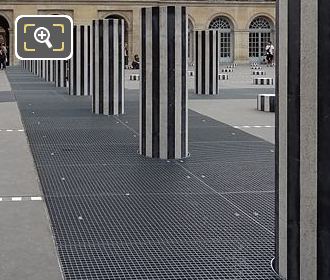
pixel 79 64
pixel 266 102
pixel 61 73
pixel 223 76
pixel 263 81
pixel 134 77
pixel 207 62
pixel 303 139
pixel 163 93
pixel 108 66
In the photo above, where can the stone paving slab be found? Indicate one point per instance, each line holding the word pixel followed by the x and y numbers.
pixel 27 249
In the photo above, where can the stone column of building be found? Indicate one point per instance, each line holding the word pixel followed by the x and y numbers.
pixel 163 93
pixel 108 66
pixel 79 64
pixel 60 73
pixel 303 137
pixel 207 62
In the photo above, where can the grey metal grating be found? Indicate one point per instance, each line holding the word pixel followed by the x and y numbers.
pixel 133 178
pixel 117 215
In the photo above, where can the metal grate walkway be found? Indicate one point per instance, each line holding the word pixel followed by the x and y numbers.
pixel 117 215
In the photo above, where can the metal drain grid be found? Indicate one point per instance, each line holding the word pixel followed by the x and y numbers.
pixel 235 177
pixel 107 220
pixel 149 219
pixel 102 154
pixel 81 136
pixel 230 151
pixel 72 123
pixel 118 180
pixel 259 205
pixel 166 261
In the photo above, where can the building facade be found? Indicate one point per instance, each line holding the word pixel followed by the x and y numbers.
pixel 245 26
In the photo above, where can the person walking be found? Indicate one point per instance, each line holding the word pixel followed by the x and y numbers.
pixel 270 53
pixel 2 59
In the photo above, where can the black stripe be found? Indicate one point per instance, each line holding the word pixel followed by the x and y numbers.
pixel 262 103
pixel 121 65
pixel 323 156
pixel 217 62
pixel 101 62
pixel 203 63
pixel 183 82
pixel 111 66
pixel 143 81
pixel 93 65
pixel 74 62
pixel 88 59
pixel 293 148
pixel 272 104
pixel 211 72
pixel 197 75
pixel 155 81
pixel 171 80
pixel 82 60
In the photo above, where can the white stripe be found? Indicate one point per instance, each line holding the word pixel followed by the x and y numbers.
pixel 86 68
pixel 78 68
pixel 106 61
pixel 16 198
pixel 207 62
pixel 36 198
pixel 96 65
pixel 163 85
pixel 148 82
pixel 308 139
pixel 116 65
pixel 282 145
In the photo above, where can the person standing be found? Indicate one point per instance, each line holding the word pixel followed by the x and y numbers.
pixel 126 55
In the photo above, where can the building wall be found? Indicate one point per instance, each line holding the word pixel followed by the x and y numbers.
pixel 201 13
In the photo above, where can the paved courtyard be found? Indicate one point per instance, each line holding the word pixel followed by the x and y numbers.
pixel 117 215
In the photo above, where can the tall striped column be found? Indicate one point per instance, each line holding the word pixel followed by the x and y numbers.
pixel 108 66
pixel 303 139
pixel 207 62
pixel 60 73
pixel 163 93
pixel 79 64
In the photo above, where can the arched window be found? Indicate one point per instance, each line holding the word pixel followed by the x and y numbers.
pixel 260 32
pixel 125 23
pixel 4 35
pixel 226 47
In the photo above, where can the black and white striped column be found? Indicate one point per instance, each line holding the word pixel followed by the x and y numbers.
pixel 61 73
pixel 207 62
pixel 303 139
pixel 163 94
pixel 79 70
pixel 108 66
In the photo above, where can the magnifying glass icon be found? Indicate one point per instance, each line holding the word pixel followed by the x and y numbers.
pixel 42 35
